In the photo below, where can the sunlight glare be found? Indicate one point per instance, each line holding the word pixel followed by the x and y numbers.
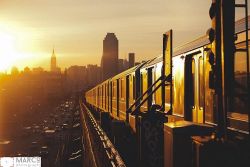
pixel 8 53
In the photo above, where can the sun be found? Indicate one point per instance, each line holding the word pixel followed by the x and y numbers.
pixel 8 54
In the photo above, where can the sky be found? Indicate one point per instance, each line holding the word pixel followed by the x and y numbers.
pixel 29 29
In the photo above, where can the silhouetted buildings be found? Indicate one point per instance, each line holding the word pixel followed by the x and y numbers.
pixel 109 62
pixel 131 59
pixel 32 87
pixel 80 78
pixel 121 66
pixel 94 75
pixel 37 70
pixel 124 64
pixel 14 71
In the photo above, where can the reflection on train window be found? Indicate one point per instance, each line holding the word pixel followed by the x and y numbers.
pixel 121 88
pixel 167 94
pixel 201 83
pixel 110 90
pixel 113 89
pixel 134 87
pixel 192 84
pixel 102 95
pixel 131 89
pixel 141 90
pixel 105 95
pixel 239 105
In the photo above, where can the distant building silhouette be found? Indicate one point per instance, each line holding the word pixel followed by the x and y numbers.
pixel 14 71
pixel 83 77
pixel 53 65
pixel 93 75
pixel 124 64
pixel 120 65
pixel 37 70
pixel 26 70
pixel 109 62
pixel 76 77
pixel 131 59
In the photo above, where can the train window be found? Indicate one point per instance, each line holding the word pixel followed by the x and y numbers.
pixel 192 91
pixel 167 94
pixel 201 83
pixel 105 96
pixel 134 87
pixel 141 91
pixel 114 90
pixel 121 87
pixel 239 104
pixel 102 95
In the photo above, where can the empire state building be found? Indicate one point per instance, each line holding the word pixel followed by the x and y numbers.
pixel 53 65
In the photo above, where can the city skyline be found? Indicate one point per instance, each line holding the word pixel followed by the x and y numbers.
pixel 29 29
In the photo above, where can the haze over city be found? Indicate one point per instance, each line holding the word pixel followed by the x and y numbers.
pixel 126 83
pixel 30 29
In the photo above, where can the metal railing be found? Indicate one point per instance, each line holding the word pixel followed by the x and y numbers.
pixel 150 92
pixel 99 150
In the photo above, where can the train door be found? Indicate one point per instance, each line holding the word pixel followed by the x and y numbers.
pixel 144 87
pixel 149 82
pixel 194 87
pixel 158 92
pixel 102 96
pixel 117 98
pixel 127 94
pixel 131 89
pixel 98 97
pixel 110 96
pixel 107 96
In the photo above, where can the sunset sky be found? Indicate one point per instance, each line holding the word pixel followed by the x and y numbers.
pixel 30 28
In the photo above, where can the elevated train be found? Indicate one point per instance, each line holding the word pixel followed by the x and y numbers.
pixel 193 96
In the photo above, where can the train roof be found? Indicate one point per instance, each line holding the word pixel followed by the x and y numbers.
pixel 240 25
pixel 153 62
pixel 128 71
pixel 202 41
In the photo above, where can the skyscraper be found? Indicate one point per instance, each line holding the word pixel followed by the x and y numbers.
pixel 109 62
pixel 53 65
pixel 53 62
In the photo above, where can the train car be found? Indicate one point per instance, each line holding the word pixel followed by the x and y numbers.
pixel 123 92
pixel 147 79
pixel 193 97
pixel 192 94
pixel 104 96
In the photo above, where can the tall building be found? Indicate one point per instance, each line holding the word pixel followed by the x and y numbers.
pixel 53 65
pixel 109 62
pixel 53 61
pixel 131 59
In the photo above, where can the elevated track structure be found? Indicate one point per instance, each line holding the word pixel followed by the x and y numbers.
pixel 188 107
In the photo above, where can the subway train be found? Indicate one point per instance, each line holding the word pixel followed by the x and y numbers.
pixel 189 97
pixel 192 97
